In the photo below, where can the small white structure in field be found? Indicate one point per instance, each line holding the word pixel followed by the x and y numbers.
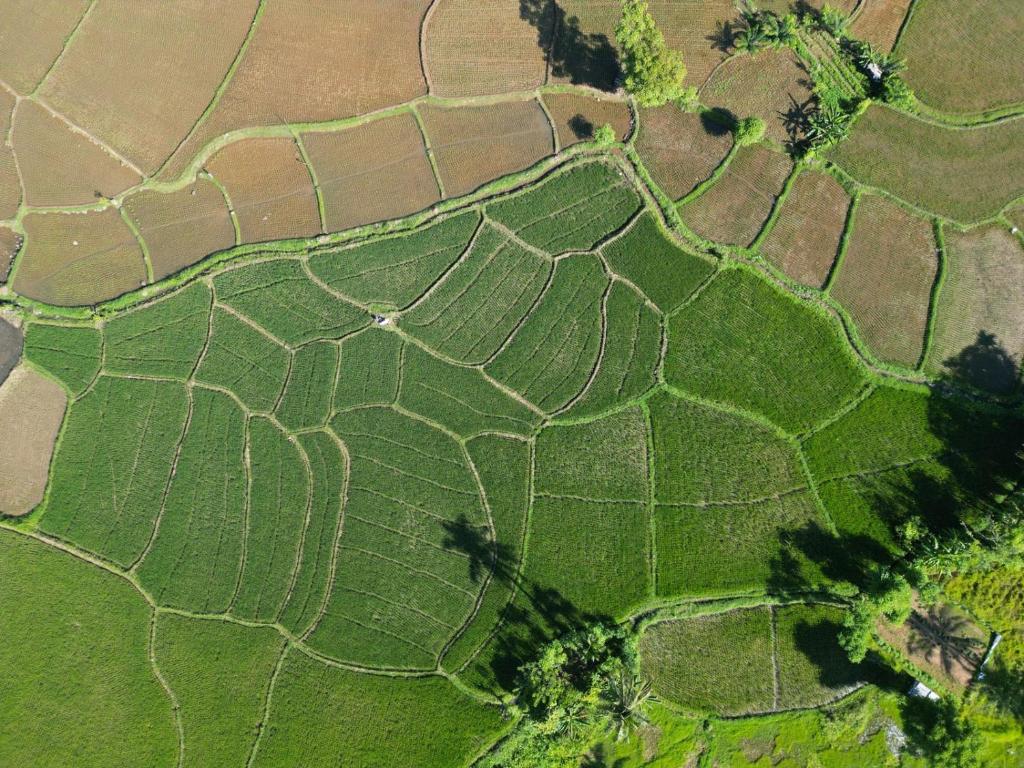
pixel 875 71
pixel 922 691
pixel 381 320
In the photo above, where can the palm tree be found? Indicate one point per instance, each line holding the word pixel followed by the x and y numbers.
pixel 626 697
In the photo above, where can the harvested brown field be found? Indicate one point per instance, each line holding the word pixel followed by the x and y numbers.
pixel 138 76
pixel 481 47
pixel 180 228
pixel 31 38
pixel 886 279
pixel 584 51
pixel 313 62
pixel 680 149
pixel 698 29
pixel 31 409
pixel 473 145
pixel 11 342
pixel 879 22
pixel 61 166
pixel 269 187
pixel 805 239
pixel 10 184
pixel 965 57
pixel 979 323
pixel 78 258
pixel 966 174
pixel 372 172
pixel 578 115
pixel 737 205
pixel 772 85
pixel 10 242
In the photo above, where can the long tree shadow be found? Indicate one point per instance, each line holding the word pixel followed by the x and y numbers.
pixel 985 365
pixel 582 58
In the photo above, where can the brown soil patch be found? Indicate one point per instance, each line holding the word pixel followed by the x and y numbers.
pixel 10 242
pixel 479 47
pixel 680 149
pixel 60 166
pixel 805 239
pixel 772 85
pixel 695 28
pixel 879 22
pixel 31 38
pixel 31 409
pixel 10 185
pixel 269 187
pixel 81 258
pixel 138 76
pixel 312 62
pixel 886 278
pixel 473 145
pixel 180 228
pixel 372 172
pixel 979 325
pixel 737 205
pixel 11 342
pixel 577 116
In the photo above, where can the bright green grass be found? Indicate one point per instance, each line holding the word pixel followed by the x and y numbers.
pixel 573 211
pixel 705 455
pixel 504 468
pixel 369 372
pixel 603 459
pixel 746 343
pixel 405 580
pixel 279 296
pixel 396 270
pixel 70 354
pixel 552 356
pixel 629 361
pixel 479 304
pixel 366 721
pixel 307 397
pixel 461 399
pixel 78 688
pixel 196 556
pixel 112 466
pixel 275 522
pixel 661 269
pixel 720 663
pixel 318 546
pixel 730 549
pixel 161 339
pixel 813 668
pixel 220 673
pixel 242 360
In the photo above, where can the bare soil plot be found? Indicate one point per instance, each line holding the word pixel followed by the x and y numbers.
pixel 372 172
pixel 10 184
pixel 473 145
pixel 81 258
pixel 11 342
pixel 680 149
pixel 879 22
pixel 965 174
pixel 478 47
pixel 578 115
pixel 61 166
pixel 979 324
pixel 313 62
pixel 886 278
pixel 139 76
pixel 32 36
pixel 269 187
pixel 734 209
pixel 31 409
pixel 180 228
pixel 10 242
pixel 805 239
pixel 772 85
pixel 965 57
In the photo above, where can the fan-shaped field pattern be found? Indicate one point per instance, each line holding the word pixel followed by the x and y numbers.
pixel 745 343
pixel 402 587
pixel 473 310
pixel 396 270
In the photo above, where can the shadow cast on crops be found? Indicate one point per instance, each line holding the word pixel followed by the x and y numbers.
pixel 581 127
pixel 986 365
pixel 580 57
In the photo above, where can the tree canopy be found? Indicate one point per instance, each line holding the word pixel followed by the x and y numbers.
pixel 654 73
